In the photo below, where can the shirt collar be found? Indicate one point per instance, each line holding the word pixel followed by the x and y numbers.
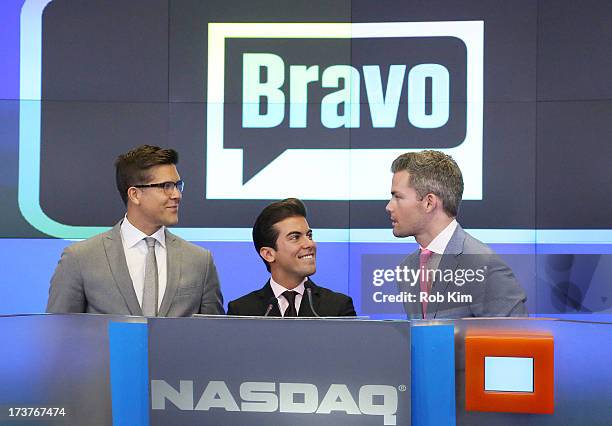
pixel 132 235
pixel 278 289
pixel 438 244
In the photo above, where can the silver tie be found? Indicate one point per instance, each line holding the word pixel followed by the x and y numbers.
pixel 150 290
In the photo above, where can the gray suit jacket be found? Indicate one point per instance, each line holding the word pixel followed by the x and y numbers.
pixel 498 294
pixel 92 276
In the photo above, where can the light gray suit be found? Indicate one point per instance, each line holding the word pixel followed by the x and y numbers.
pixel 92 276
pixel 498 295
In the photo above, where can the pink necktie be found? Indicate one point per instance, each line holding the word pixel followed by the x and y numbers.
pixel 423 259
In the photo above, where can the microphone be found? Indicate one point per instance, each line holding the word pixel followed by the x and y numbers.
pixel 308 287
pixel 271 304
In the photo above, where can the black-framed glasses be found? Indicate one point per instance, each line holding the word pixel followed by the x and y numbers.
pixel 168 187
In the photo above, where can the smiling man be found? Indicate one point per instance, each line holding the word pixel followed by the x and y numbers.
pixel 458 276
pixel 139 267
pixel 284 242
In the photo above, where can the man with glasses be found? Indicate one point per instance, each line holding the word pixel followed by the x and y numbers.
pixel 139 267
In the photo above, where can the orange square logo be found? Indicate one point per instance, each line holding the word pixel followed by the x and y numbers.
pixel 511 372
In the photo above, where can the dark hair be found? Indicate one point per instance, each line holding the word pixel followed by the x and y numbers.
pixel 433 172
pixel 132 168
pixel 264 232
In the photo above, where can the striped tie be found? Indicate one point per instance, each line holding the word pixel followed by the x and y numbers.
pixel 290 296
pixel 150 290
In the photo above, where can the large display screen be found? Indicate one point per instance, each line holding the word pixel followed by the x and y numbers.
pixel 314 100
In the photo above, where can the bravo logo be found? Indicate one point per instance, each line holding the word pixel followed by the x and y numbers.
pixel 383 106
pixel 344 99
pixel 268 397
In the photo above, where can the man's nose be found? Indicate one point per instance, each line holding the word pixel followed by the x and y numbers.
pixel 308 243
pixel 176 194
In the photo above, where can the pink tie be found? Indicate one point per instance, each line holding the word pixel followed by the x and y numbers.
pixel 423 259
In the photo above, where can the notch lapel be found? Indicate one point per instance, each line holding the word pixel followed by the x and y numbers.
pixel 449 261
pixel 173 268
pixel 305 310
pixel 118 266
pixel 414 310
pixel 265 294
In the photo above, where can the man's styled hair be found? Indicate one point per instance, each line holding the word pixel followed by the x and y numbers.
pixel 132 168
pixel 264 232
pixel 433 172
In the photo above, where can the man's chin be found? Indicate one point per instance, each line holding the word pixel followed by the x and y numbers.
pixel 310 272
pixel 399 234
pixel 171 221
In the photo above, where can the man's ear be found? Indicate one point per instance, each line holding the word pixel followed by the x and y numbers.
pixel 133 195
pixel 268 254
pixel 431 202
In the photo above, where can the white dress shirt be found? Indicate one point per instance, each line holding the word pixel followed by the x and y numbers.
pixel 438 245
pixel 135 249
pixel 283 303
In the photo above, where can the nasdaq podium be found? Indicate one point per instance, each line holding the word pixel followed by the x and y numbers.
pixel 110 370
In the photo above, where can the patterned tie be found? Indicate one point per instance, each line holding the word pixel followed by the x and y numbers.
pixel 150 290
pixel 424 282
pixel 290 296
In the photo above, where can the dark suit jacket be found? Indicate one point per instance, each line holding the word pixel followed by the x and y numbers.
pixel 327 303
pixel 92 277
pixel 498 295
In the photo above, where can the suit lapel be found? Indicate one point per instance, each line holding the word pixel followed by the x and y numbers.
pixel 173 268
pixel 413 309
pixel 265 295
pixel 449 261
pixel 305 310
pixel 118 266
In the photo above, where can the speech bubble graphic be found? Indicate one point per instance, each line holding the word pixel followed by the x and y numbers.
pixel 343 94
